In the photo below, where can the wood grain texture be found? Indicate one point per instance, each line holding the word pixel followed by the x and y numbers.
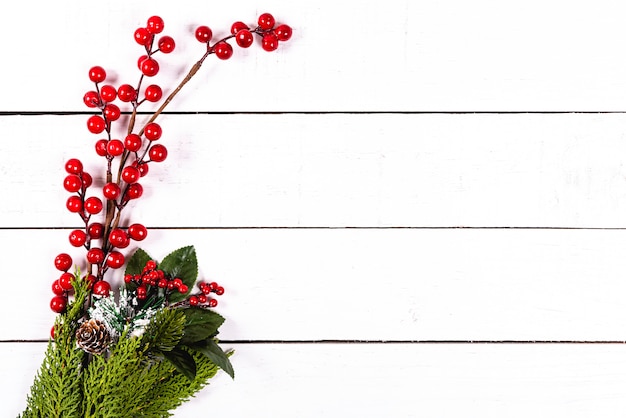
pixel 448 55
pixel 397 284
pixel 341 170
pixel 394 380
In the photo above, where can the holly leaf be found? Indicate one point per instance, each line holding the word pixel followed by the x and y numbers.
pixel 181 263
pixel 137 262
pixel 182 361
pixel 215 353
pixel 200 324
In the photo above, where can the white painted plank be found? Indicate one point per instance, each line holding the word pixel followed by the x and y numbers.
pixel 339 170
pixel 394 380
pixel 395 284
pixel 403 55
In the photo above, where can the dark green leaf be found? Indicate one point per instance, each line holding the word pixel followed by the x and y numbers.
pixel 137 262
pixel 181 263
pixel 200 324
pixel 183 361
pixel 215 353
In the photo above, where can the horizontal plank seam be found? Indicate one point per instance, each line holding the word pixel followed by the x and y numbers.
pixel 575 228
pixel 442 342
pixel 330 112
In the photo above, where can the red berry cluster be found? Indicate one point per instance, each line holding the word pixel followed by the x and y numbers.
pixel 202 298
pixel 103 239
pixel 244 36
pixel 152 277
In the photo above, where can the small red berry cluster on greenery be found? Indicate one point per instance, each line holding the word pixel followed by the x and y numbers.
pixel 103 239
pixel 202 298
pixel 151 276
pixel 155 282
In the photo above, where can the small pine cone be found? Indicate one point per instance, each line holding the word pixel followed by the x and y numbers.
pixel 93 336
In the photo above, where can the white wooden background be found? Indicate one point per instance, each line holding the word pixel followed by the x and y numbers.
pixel 418 208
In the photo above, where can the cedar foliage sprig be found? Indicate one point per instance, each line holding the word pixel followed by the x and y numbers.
pixel 56 390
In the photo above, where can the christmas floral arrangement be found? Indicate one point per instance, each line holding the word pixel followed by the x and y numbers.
pixel 147 346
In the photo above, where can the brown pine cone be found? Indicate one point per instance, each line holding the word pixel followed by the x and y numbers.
pixel 93 336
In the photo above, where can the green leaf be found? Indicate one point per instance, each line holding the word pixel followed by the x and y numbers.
pixel 183 361
pixel 215 353
pixel 200 324
pixel 181 263
pixel 137 262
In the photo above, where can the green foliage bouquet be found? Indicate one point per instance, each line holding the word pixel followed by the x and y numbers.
pixel 147 346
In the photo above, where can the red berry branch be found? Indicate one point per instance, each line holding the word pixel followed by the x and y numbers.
pixel 104 239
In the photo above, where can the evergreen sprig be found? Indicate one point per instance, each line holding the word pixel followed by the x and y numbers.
pixel 56 390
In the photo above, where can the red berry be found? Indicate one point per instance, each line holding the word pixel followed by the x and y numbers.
pixel 193 300
pixel 101 288
pixel 213 286
pixel 65 281
pixel 212 303
pixel 149 67
pixel 244 38
pixel 155 24
pixel 283 32
pixel 93 205
pixel 142 292
pixel 74 204
pixel 269 42
pixel 112 112
pixel 108 93
pixel 95 256
pixel 183 288
pixel 86 178
pixel 74 166
pixel 151 265
pixel 143 168
pixel 166 44
pixel 96 124
pixel 134 191
pixel 91 279
pixel 91 99
pixel 158 153
pixel 115 260
pixel 126 93
pixel 63 262
pixel 141 60
pixel 142 36
pixel 203 34
pixel 152 131
pixel 223 50
pixel 101 147
pixel 118 238
pixel 130 174
pixel 111 191
pixel 58 304
pixel 177 283
pixel 77 238
pixel 57 289
pixel 162 283
pixel 115 147
pixel 97 74
pixel 138 232
pixel 133 142
pixel 238 26
pixel 72 183
pixel 153 93
pixel 219 290
pixel 266 21
pixel 202 299
pixel 95 230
